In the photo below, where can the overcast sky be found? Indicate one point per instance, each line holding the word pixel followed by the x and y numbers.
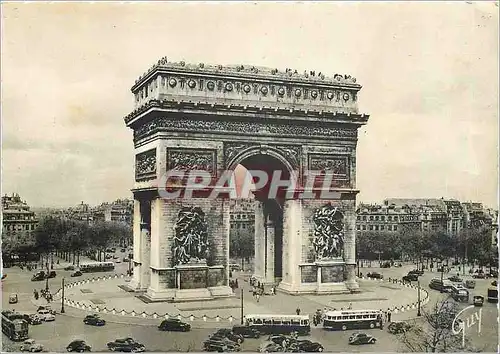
pixel 429 73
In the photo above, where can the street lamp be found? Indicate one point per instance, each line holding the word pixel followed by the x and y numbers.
pixel 241 315
pixel 418 303
pixel 442 275
pixel 62 298
pixel 47 278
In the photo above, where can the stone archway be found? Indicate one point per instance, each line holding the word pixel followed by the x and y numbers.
pixel 212 118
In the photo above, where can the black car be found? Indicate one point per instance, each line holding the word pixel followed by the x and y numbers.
pixel 78 346
pixel 174 325
pixel 70 267
pixel 386 265
pixel 375 275
pixel 76 273
pixel 38 276
pixel 126 345
pixel 227 333
pixel 416 271
pixel 361 338
pixel 307 346
pixel 215 346
pixel 52 274
pixel 410 277
pixel 455 279
pixel 94 320
pixel 246 332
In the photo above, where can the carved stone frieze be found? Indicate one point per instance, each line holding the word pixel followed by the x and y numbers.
pixel 231 150
pixel 243 128
pixel 291 152
pixel 145 165
pixel 192 159
pixel 330 164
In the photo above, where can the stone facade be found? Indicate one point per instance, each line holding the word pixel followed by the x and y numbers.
pixel 18 223
pixel 212 118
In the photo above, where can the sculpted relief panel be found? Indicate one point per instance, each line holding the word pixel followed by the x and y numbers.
pixel 145 165
pixel 336 166
pixel 192 159
pixel 191 237
pixel 328 232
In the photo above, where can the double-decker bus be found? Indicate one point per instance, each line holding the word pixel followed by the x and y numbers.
pixel 279 324
pixel 352 319
pixel 14 325
pixel 493 294
pixel 97 267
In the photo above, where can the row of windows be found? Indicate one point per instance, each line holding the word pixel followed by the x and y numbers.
pixel 279 322
pixel 241 226
pixel 20 227
pixel 377 227
pixel 241 216
pixel 378 217
pixel 352 317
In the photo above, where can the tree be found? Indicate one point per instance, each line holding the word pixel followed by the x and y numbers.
pixel 435 333
pixel 242 244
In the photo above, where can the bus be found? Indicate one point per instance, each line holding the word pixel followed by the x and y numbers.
pixel 14 325
pixel 279 324
pixel 97 267
pixel 353 319
pixel 493 294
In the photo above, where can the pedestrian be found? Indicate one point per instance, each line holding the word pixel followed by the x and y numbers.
pixel 236 284
pixel 297 311
pixel 257 296
pixel 389 316
pixel 350 306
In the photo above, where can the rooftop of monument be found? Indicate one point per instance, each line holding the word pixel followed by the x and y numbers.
pixel 249 71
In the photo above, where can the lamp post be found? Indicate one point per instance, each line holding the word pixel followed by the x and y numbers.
pixel 62 298
pixel 442 275
pixel 241 315
pixel 47 277
pixel 418 303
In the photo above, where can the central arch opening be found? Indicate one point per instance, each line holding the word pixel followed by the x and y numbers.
pixel 267 237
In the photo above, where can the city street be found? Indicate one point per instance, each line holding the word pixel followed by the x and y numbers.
pixel 55 336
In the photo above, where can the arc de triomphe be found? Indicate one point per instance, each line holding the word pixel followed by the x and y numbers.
pixel 212 118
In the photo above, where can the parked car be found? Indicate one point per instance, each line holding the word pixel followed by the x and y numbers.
pixel 48 308
pixel 174 325
pixel 455 279
pixel 32 319
pixel 13 299
pixel 494 283
pixel 306 346
pixel 126 345
pixel 478 300
pixel 375 275
pixel 227 333
pixel 214 346
pixel 234 266
pixel 246 332
pixel 361 338
pixel 38 276
pixel 52 274
pixel 270 347
pixel 29 345
pixel 70 267
pixel 94 320
pixel 479 276
pixel 398 327
pixel 46 316
pixel 78 346
pixel 470 284
pixel 282 340
pixel 416 271
pixel 229 343
pixel 123 250
pixel 386 265
pixel 76 273
pixel 410 277
pixel 118 260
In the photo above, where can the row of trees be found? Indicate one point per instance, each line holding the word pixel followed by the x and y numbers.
pixel 469 245
pixel 71 238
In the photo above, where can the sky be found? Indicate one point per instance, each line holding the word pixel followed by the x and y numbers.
pixel 429 72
